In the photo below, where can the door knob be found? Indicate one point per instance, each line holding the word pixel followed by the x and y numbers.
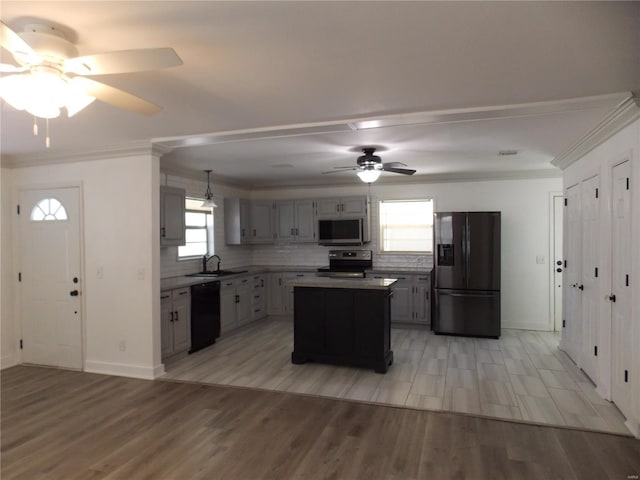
pixel 559 270
pixel 74 293
pixel 559 262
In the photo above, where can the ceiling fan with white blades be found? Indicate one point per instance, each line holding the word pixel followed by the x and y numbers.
pixel 370 166
pixel 50 75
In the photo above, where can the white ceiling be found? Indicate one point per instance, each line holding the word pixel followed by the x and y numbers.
pixel 253 66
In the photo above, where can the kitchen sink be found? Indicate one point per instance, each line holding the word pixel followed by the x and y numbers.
pixel 216 273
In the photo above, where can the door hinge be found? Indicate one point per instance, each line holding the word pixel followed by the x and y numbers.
pixel 20 344
pixel 18 209
pixel 565 202
pixel 626 281
pixel 19 276
pixel 627 183
pixel 596 272
pixel 595 350
pixel 564 323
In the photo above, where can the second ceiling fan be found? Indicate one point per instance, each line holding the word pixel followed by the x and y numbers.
pixel 370 166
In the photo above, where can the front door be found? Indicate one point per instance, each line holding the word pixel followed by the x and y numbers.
pixel 50 285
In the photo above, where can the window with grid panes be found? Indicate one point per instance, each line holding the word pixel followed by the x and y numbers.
pixel 198 222
pixel 406 226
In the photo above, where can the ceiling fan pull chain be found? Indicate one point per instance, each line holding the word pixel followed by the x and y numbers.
pixel 47 141
pixel 35 126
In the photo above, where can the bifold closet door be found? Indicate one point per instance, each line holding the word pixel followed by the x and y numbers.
pixel 622 344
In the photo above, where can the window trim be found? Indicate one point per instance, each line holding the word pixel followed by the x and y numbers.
pixel 416 253
pixel 208 228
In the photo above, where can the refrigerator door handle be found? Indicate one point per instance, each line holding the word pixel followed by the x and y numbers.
pixel 479 295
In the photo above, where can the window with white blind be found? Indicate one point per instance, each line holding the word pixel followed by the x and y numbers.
pixel 406 226
pixel 198 222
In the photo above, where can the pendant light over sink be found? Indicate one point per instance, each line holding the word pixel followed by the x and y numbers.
pixel 208 202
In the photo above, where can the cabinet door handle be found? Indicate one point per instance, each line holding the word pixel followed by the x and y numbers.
pixel 280 282
pixel 242 233
pixel 171 319
pixel 262 282
pixel 162 297
pixel 162 232
pixel 177 317
pixel 254 232
pixel 183 293
pixel 237 298
pixel 299 274
pixel 337 207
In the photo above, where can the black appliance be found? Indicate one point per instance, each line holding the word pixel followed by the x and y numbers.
pixel 347 264
pixel 205 315
pixel 343 231
pixel 467 274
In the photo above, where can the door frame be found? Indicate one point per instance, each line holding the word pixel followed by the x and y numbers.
pixel 17 255
pixel 553 326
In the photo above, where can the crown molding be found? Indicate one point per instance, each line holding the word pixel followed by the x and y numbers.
pixel 423 179
pixel 73 156
pixel 626 112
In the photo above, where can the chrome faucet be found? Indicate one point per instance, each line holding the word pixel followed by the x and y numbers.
pixel 205 261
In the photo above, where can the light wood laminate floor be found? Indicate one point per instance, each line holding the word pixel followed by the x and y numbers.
pixel 66 425
pixel 522 376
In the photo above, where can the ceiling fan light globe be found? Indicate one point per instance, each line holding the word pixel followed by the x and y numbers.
pixel 369 175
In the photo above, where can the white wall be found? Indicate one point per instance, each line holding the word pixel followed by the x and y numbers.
pixel 120 222
pixel 8 337
pixel 525 235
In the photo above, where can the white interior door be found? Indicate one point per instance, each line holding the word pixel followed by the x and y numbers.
pixel 558 264
pixel 571 331
pixel 590 275
pixel 622 347
pixel 50 277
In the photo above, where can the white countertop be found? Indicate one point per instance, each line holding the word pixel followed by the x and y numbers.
pixel 355 283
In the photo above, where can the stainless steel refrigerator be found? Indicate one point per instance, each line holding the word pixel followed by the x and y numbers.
pixel 467 274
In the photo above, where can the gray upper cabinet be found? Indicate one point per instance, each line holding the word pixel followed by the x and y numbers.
pixel 262 220
pixel 345 207
pixel 248 221
pixel 296 221
pixel 172 206
pixel 237 221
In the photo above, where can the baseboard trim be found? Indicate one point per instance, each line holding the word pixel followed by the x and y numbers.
pixel 121 370
pixel 8 361
pixel 527 326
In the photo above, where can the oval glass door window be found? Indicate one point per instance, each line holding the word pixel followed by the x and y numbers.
pixel 48 209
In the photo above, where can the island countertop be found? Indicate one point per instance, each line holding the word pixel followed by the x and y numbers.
pixel 353 283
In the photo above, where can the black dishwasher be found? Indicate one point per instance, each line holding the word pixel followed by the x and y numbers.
pixel 205 315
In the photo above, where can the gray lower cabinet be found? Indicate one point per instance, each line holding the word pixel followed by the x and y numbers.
pixel 235 303
pixel 175 306
pixel 280 295
pixel 411 301
pixel 258 297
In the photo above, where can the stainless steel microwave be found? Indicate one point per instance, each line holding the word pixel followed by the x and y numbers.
pixel 343 231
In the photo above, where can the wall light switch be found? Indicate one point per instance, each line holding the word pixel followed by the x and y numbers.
pixel 540 259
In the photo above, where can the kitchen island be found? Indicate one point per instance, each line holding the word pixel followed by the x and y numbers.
pixel 343 321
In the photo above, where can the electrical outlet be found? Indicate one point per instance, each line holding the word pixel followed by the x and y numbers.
pixel 122 346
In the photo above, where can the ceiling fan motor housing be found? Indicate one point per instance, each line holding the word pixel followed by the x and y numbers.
pixel 369 159
pixel 49 43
